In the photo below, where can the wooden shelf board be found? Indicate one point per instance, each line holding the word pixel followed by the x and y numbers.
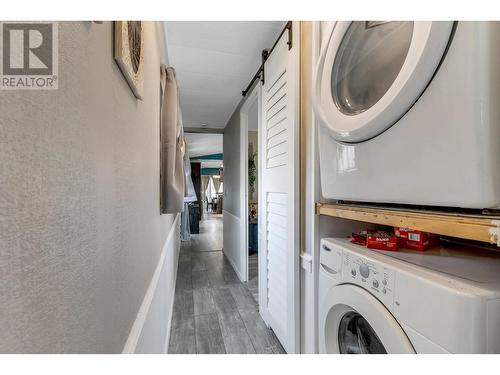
pixel 471 227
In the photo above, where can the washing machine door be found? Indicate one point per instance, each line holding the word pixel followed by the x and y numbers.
pixel 370 73
pixel 354 322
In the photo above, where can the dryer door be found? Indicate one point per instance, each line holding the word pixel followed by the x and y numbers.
pixel 355 322
pixel 370 73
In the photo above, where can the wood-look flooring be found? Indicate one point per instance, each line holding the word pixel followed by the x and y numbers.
pixel 211 234
pixel 253 276
pixel 214 313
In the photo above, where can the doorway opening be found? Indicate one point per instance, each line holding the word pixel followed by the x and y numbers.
pixel 250 183
pixel 214 310
pixel 244 293
pixel 204 211
pixel 253 199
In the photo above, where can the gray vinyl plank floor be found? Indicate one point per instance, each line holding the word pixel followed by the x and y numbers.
pixel 208 334
pixel 214 313
pixel 253 275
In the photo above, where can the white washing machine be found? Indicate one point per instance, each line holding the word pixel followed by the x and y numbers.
pixel 439 301
pixel 409 112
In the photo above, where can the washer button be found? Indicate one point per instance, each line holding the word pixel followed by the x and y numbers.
pixel 364 270
pixel 375 283
pixel 384 282
pixel 353 272
pixel 384 291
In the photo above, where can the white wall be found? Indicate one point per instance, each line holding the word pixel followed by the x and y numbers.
pixel 232 242
pixel 80 231
pixel 235 159
pixel 231 161
pixel 232 192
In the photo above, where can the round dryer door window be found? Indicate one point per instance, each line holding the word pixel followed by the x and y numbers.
pixel 356 336
pixel 353 321
pixel 369 59
pixel 370 73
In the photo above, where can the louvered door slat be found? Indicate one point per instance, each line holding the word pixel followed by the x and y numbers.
pixel 278 134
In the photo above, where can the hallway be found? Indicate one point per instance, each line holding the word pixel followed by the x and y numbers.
pixel 213 311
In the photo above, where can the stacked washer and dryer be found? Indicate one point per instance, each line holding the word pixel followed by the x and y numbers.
pixel 408 113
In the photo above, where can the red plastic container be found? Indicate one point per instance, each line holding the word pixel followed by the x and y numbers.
pixel 359 238
pixel 416 239
pixel 381 240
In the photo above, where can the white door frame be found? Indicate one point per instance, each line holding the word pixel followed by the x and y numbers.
pixel 253 97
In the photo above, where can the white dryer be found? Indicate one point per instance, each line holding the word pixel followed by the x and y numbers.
pixel 407 301
pixel 409 112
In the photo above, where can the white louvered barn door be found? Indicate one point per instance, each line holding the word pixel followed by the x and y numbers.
pixel 278 195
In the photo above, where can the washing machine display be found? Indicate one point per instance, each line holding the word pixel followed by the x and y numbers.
pixel 407 112
pixel 369 274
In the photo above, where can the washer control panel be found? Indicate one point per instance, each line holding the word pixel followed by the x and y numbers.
pixel 331 258
pixel 373 276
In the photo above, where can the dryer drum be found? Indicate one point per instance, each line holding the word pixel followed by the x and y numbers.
pixel 356 336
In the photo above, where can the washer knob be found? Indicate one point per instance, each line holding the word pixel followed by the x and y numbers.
pixel 384 282
pixel 375 283
pixel 364 270
pixel 384 291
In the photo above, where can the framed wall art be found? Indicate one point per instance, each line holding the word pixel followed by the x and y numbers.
pixel 129 53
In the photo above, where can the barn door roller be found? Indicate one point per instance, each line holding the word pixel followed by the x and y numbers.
pixel 267 53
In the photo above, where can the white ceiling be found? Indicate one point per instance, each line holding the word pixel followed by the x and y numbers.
pixel 215 61
pixel 203 144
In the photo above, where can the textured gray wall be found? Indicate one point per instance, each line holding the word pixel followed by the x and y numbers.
pixel 231 146
pixel 80 230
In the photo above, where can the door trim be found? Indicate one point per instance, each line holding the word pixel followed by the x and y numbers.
pixel 250 100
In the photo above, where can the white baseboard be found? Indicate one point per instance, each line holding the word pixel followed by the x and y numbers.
pixel 232 243
pixel 151 329
pixel 171 308
pixel 236 270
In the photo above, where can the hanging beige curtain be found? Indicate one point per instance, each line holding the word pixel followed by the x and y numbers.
pixel 204 183
pixel 172 180
pixel 189 193
pixel 216 184
pixel 203 198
